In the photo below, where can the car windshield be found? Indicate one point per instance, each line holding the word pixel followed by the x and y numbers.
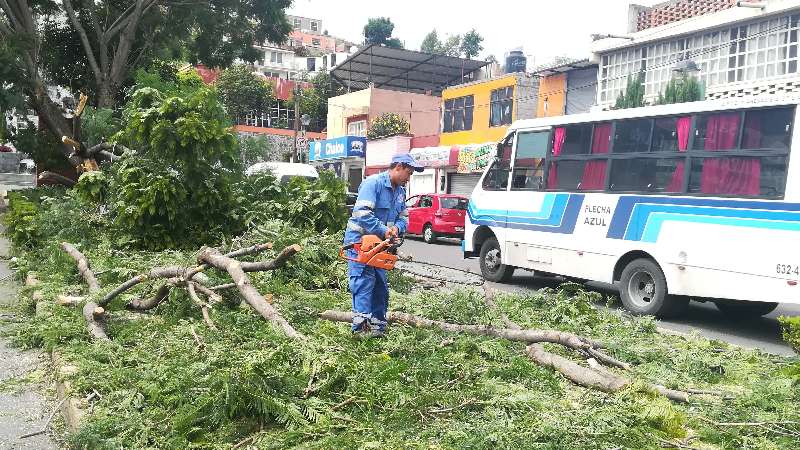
pixel 454 203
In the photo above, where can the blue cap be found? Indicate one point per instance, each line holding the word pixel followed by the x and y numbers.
pixel 408 160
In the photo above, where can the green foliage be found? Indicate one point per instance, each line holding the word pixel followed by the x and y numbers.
pixel 92 187
pixel 255 149
pixel 633 96
pixel 682 89
pixel 790 327
pixel 20 220
pixel 378 30
pixel 315 205
pixel 314 101
pixel 178 188
pixel 242 92
pixel 387 125
pixel 98 125
pixel 471 44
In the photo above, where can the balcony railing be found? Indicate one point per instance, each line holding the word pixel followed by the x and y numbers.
pixel 278 117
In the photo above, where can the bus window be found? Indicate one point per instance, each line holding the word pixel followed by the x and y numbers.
pixel 739 175
pixel 496 178
pixel 632 136
pixel 647 175
pixel 767 129
pixel 670 134
pixel 718 131
pixel 566 175
pixel 577 140
pixel 528 171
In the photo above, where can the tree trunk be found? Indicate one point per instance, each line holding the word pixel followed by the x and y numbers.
pixel 94 321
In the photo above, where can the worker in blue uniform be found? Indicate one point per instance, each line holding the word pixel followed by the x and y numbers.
pixel 380 210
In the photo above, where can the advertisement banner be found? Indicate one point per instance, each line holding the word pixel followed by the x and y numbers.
pixel 341 147
pixel 436 156
pixel 475 157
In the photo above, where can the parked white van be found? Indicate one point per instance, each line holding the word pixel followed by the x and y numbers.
pixel 283 171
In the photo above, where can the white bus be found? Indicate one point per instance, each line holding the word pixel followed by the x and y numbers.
pixel 674 202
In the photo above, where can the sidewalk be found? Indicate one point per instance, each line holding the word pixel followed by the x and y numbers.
pixel 23 408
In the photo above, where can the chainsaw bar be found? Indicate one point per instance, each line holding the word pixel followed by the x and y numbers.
pixel 439 272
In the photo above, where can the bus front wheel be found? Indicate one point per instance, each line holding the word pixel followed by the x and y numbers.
pixel 743 308
pixel 643 290
pixel 492 267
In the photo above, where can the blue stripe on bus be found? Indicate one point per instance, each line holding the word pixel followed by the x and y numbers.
pixel 634 214
pixel 558 214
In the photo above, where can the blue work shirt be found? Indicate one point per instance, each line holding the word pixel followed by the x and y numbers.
pixel 379 206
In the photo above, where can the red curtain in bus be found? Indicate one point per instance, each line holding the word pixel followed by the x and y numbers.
pixel 594 172
pixel 683 126
pixel 732 176
pixel 558 141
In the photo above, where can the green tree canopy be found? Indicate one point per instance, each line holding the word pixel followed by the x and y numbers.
pixel 431 43
pixel 96 45
pixel 471 44
pixel 378 30
pixel 242 92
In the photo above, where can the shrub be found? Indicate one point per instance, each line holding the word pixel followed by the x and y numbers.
pixel 387 125
pixel 177 190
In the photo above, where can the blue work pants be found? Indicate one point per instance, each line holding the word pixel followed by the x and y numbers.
pixel 370 289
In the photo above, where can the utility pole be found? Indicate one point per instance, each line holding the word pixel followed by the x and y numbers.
pixel 296 120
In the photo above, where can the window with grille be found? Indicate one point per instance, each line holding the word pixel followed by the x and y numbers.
pixel 457 114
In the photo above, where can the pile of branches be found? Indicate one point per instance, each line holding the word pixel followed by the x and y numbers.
pixel 595 376
pixel 189 279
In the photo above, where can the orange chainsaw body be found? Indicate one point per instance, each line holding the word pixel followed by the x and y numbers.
pixel 372 251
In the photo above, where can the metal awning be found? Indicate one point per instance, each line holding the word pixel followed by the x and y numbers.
pixel 403 70
pixel 565 67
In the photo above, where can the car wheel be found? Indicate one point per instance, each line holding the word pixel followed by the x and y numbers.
pixel 743 308
pixel 492 267
pixel 643 290
pixel 428 235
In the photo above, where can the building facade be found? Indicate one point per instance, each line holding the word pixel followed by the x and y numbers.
pixel 739 48
pixel 475 116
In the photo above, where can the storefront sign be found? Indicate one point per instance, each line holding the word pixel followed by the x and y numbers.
pixel 342 147
pixel 475 158
pixel 436 156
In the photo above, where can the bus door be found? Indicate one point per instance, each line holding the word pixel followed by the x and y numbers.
pixel 530 208
pixel 489 203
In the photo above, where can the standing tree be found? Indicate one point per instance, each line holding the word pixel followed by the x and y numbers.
pixel 451 46
pixel 242 92
pixel 633 96
pixel 379 31
pixel 98 44
pixel 431 43
pixel 314 101
pixel 681 89
pixel 471 44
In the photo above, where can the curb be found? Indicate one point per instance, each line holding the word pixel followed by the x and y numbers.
pixel 72 408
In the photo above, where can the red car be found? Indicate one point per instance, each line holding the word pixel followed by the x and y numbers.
pixel 434 215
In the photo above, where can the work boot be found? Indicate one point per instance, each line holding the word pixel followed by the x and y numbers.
pixel 378 333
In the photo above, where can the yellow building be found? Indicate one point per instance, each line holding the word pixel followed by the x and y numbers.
pixel 481 111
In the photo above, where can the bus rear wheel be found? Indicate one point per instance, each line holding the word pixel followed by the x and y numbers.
pixel 492 267
pixel 643 290
pixel 743 308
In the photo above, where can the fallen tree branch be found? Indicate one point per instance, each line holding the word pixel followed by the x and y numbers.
pixel 90 309
pixel 177 272
pixel 277 262
pixel 251 295
pixel 223 286
pixel 190 287
pixel 52 177
pixel 527 336
pixel 69 300
pixel 150 303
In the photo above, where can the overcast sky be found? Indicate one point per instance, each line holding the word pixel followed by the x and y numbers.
pixel 545 29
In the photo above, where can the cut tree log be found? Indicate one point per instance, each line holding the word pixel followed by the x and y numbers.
pixel 69 300
pixel 96 327
pixel 249 292
pixel 52 177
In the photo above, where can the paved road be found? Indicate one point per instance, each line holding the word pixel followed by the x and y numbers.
pixel 761 332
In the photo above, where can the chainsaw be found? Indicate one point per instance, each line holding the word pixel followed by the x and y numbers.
pixel 373 251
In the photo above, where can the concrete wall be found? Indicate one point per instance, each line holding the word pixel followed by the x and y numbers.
pixel 344 106
pixel 552 98
pixel 9 162
pixel 421 111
